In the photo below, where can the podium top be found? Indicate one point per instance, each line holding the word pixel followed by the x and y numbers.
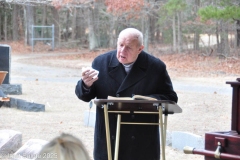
pixel 234 83
pixel 168 107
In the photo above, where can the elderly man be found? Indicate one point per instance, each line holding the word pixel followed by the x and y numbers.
pixel 122 73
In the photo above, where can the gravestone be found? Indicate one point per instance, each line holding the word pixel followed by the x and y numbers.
pixel 25 105
pixel 89 118
pixel 5 51
pixel 10 142
pixel 30 150
pixel 182 139
pixel 5 65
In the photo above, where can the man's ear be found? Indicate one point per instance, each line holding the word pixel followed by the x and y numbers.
pixel 141 48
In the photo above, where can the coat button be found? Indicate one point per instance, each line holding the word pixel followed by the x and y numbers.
pixel 117 95
pixel 133 137
pixel 133 116
pixel 113 137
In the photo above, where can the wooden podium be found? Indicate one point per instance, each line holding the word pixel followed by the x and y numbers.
pixel 3 97
pixel 161 107
pixel 223 145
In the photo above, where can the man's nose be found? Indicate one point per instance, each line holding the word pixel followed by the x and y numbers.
pixel 123 49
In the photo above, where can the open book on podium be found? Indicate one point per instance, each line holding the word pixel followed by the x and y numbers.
pixel 138 103
pixel 135 97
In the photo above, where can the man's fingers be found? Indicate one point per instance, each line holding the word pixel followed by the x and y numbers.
pixel 85 72
pixel 89 77
pixel 89 81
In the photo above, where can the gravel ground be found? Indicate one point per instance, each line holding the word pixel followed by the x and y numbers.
pixel 206 107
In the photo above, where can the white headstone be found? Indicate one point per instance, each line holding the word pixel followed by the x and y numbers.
pixel 10 142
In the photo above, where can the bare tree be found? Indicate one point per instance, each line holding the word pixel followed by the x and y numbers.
pixel 74 22
pixel 56 25
pixel 29 22
pixel 81 23
pixel 145 30
pixel 179 35
pixel 196 33
pixel 112 32
pixel 92 21
pixel 44 19
pixel 15 22
pixel 174 33
pixel 5 28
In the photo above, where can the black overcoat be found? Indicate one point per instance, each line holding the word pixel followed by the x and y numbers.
pixel 148 77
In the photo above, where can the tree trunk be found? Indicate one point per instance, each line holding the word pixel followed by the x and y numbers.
pixel 152 28
pixel 5 26
pixel 112 34
pixel 158 34
pixel 197 3
pixel 145 31
pixel 67 26
pixel 226 49
pixel 146 35
pixel 44 20
pixel 74 22
pixel 56 26
pixel 174 33
pixel 217 38
pixel 196 33
pixel 15 22
pixel 20 19
pixel 238 33
pixel 179 33
pixel 196 40
pixel 29 23
pixel 93 40
pixel 221 38
pixel 25 24
pixel 80 26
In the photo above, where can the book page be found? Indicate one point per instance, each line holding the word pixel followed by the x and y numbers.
pixel 119 98
pixel 135 97
pixel 139 97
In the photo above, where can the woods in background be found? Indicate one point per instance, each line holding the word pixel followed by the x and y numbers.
pixel 211 26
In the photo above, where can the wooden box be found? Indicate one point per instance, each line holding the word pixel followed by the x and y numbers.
pixel 229 142
pixel 224 145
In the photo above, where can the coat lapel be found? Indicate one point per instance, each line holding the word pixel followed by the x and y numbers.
pixel 116 71
pixel 137 72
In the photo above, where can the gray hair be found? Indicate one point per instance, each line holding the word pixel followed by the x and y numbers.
pixel 133 32
pixel 64 147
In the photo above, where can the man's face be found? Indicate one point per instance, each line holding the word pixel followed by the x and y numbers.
pixel 128 49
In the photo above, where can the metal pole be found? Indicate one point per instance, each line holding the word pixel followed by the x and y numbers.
pixel 162 132
pixel 165 128
pixel 107 132
pixel 117 137
pixel 207 153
